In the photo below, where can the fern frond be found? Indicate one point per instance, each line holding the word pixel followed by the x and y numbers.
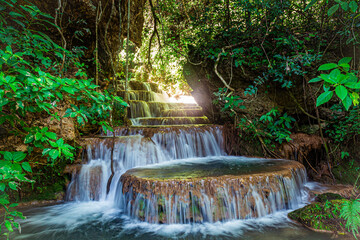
pixel 350 211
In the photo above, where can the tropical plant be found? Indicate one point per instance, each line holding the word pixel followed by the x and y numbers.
pixel 350 211
pixel 340 80
pixel 33 84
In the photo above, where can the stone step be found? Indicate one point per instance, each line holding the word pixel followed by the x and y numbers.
pixel 183 113
pixel 137 85
pixel 143 95
pixel 169 121
pixel 139 109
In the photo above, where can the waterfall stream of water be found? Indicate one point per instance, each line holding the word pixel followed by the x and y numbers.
pixel 191 207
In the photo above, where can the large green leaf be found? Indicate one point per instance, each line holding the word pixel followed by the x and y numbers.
pixel 8 156
pixel 54 153
pixel 51 135
pixel 324 97
pixel 19 156
pixel 13 185
pixel 334 74
pixel 344 60
pixel 347 102
pixel 26 166
pixel 341 92
pixel 327 66
pixel 8 226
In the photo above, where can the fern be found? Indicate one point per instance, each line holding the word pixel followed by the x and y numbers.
pixel 350 211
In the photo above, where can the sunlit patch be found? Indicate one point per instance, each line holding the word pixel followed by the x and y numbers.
pixel 182 99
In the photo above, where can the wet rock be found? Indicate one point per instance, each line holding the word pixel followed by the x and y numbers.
pixel 210 192
pixel 322 198
pixel 345 191
pixel 317 216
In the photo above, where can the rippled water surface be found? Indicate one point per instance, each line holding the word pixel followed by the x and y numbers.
pixel 100 220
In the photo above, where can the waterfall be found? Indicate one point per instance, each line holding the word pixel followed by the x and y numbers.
pixel 174 133
pixel 154 197
pixel 132 149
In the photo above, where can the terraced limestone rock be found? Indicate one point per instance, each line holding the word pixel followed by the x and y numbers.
pixel 150 106
pixel 216 189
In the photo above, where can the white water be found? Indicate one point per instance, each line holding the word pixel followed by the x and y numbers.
pixel 136 150
pixel 94 214
pixel 231 198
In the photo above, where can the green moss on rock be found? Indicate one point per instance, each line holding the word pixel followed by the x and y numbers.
pixel 321 215
pixel 322 198
pixel 347 172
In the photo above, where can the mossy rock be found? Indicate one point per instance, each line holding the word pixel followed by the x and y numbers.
pixel 322 198
pixel 321 216
pixel 346 172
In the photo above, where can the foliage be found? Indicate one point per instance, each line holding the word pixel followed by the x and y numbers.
pixel 321 215
pixel 33 84
pixel 228 101
pixel 350 211
pixel 272 126
pixel 345 124
pixel 340 80
pixel 12 172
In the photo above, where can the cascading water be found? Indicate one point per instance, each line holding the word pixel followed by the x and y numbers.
pixel 150 106
pixel 210 190
pixel 137 150
pixel 216 195
pixel 177 175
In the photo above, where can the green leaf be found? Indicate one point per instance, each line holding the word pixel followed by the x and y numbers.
pixel 315 80
pixel 353 6
pixel 19 156
pixel 333 9
pixel 54 153
pixel 8 226
pixel 69 90
pixel 335 74
pixel 38 136
pixel 8 156
pixel 53 144
pixel 341 92
pixel 344 6
pixel 26 166
pixel 310 4
pixel 347 102
pixel 45 151
pixel 344 60
pixel 60 142
pixel 345 66
pixel 13 185
pixel 326 78
pixel 324 97
pixel 327 66
pixel 51 135
pixel 4 201
pixel 2 187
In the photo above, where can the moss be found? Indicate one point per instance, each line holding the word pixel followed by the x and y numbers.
pixel 321 216
pixel 346 172
pixel 322 198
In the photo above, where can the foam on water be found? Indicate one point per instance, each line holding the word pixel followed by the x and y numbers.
pixel 100 220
